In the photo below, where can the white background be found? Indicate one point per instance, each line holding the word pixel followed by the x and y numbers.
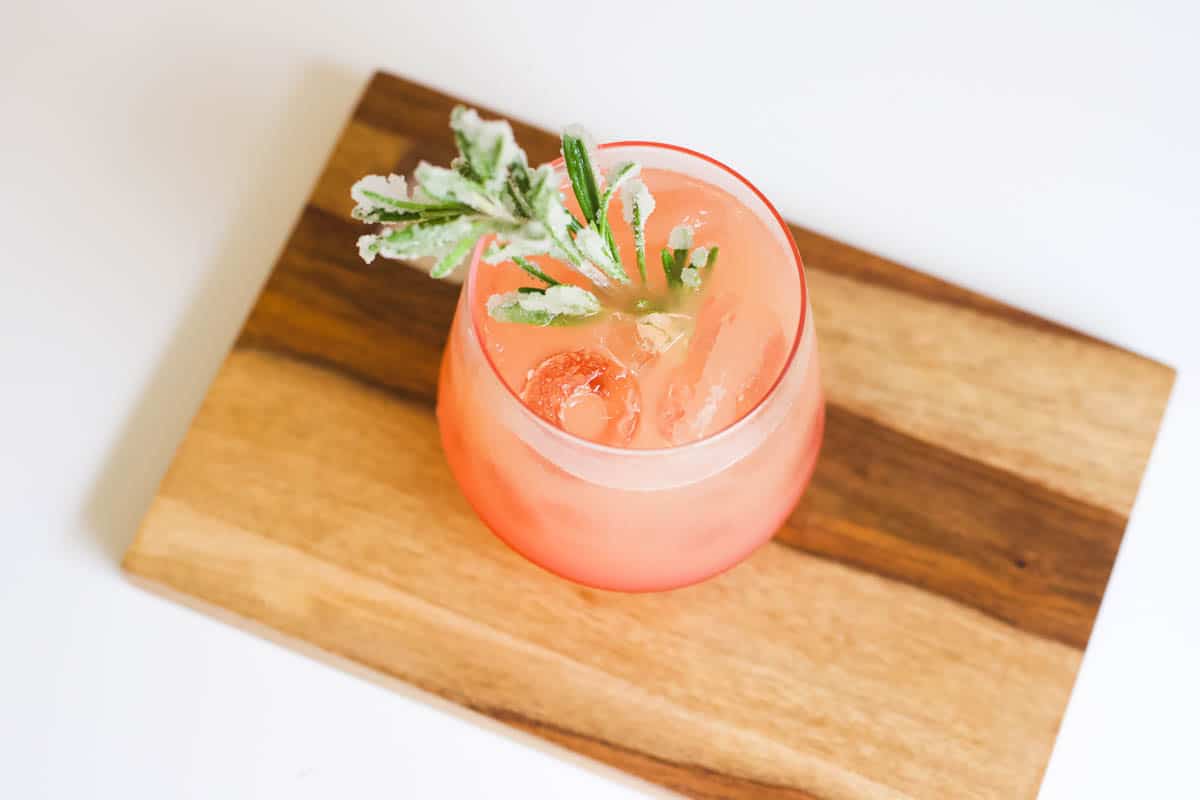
pixel 154 155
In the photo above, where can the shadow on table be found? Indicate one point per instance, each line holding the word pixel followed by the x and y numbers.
pixel 288 157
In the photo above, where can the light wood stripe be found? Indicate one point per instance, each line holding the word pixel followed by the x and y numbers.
pixel 1056 409
pixel 824 679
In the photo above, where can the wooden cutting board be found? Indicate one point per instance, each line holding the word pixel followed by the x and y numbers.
pixel 912 632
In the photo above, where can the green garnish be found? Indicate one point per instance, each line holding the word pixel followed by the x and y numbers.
pixel 576 151
pixel 561 304
pixel 668 264
pixel 596 240
pixel 637 204
pixel 489 189
pixel 532 269
pixel 675 254
pixel 683 265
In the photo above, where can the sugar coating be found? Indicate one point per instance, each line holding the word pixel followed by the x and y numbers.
pixel 482 137
pixel 446 184
pixel 391 186
pixel 680 238
pixel 577 131
pixel 561 300
pixel 529 241
pixel 619 174
pixel 368 247
pixel 589 271
pixel 634 191
pixel 593 246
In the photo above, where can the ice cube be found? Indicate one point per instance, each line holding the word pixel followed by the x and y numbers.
pixel 586 393
pixel 638 342
pixel 733 359
pixel 658 332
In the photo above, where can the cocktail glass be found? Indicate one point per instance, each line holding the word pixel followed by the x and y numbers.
pixel 640 519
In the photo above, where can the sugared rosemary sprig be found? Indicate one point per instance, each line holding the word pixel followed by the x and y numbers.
pixel 637 204
pixel 559 304
pixel 595 236
pixel 683 265
pixel 532 269
pixel 490 189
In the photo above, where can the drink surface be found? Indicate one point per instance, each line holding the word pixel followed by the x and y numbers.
pixel 687 366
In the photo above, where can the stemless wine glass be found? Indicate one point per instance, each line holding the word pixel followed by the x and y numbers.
pixel 628 519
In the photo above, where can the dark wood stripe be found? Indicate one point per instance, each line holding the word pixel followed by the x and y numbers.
pixel 692 780
pixel 888 503
pixel 385 323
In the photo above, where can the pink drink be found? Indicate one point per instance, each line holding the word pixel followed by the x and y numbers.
pixel 638 452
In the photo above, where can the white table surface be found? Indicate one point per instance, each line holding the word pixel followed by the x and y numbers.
pixel 154 155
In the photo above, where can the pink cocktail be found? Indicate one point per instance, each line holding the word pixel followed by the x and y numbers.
pixel 661 443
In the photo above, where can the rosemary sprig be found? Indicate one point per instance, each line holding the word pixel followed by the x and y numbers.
pixel 683 268
pixel 561 304
pixel 637 204
pixel 489 189
pixel 596 240
pixel 639 239
pixel 578 158
pixel 532 269
pixel 705 257
pixel 617 177
pixel 675 254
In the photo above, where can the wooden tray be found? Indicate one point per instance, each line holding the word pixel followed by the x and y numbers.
pixel 913 631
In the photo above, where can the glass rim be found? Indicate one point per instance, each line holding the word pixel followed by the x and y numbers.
pixel 724 433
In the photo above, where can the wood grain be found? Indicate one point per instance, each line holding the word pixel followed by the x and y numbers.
pixel 913 632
